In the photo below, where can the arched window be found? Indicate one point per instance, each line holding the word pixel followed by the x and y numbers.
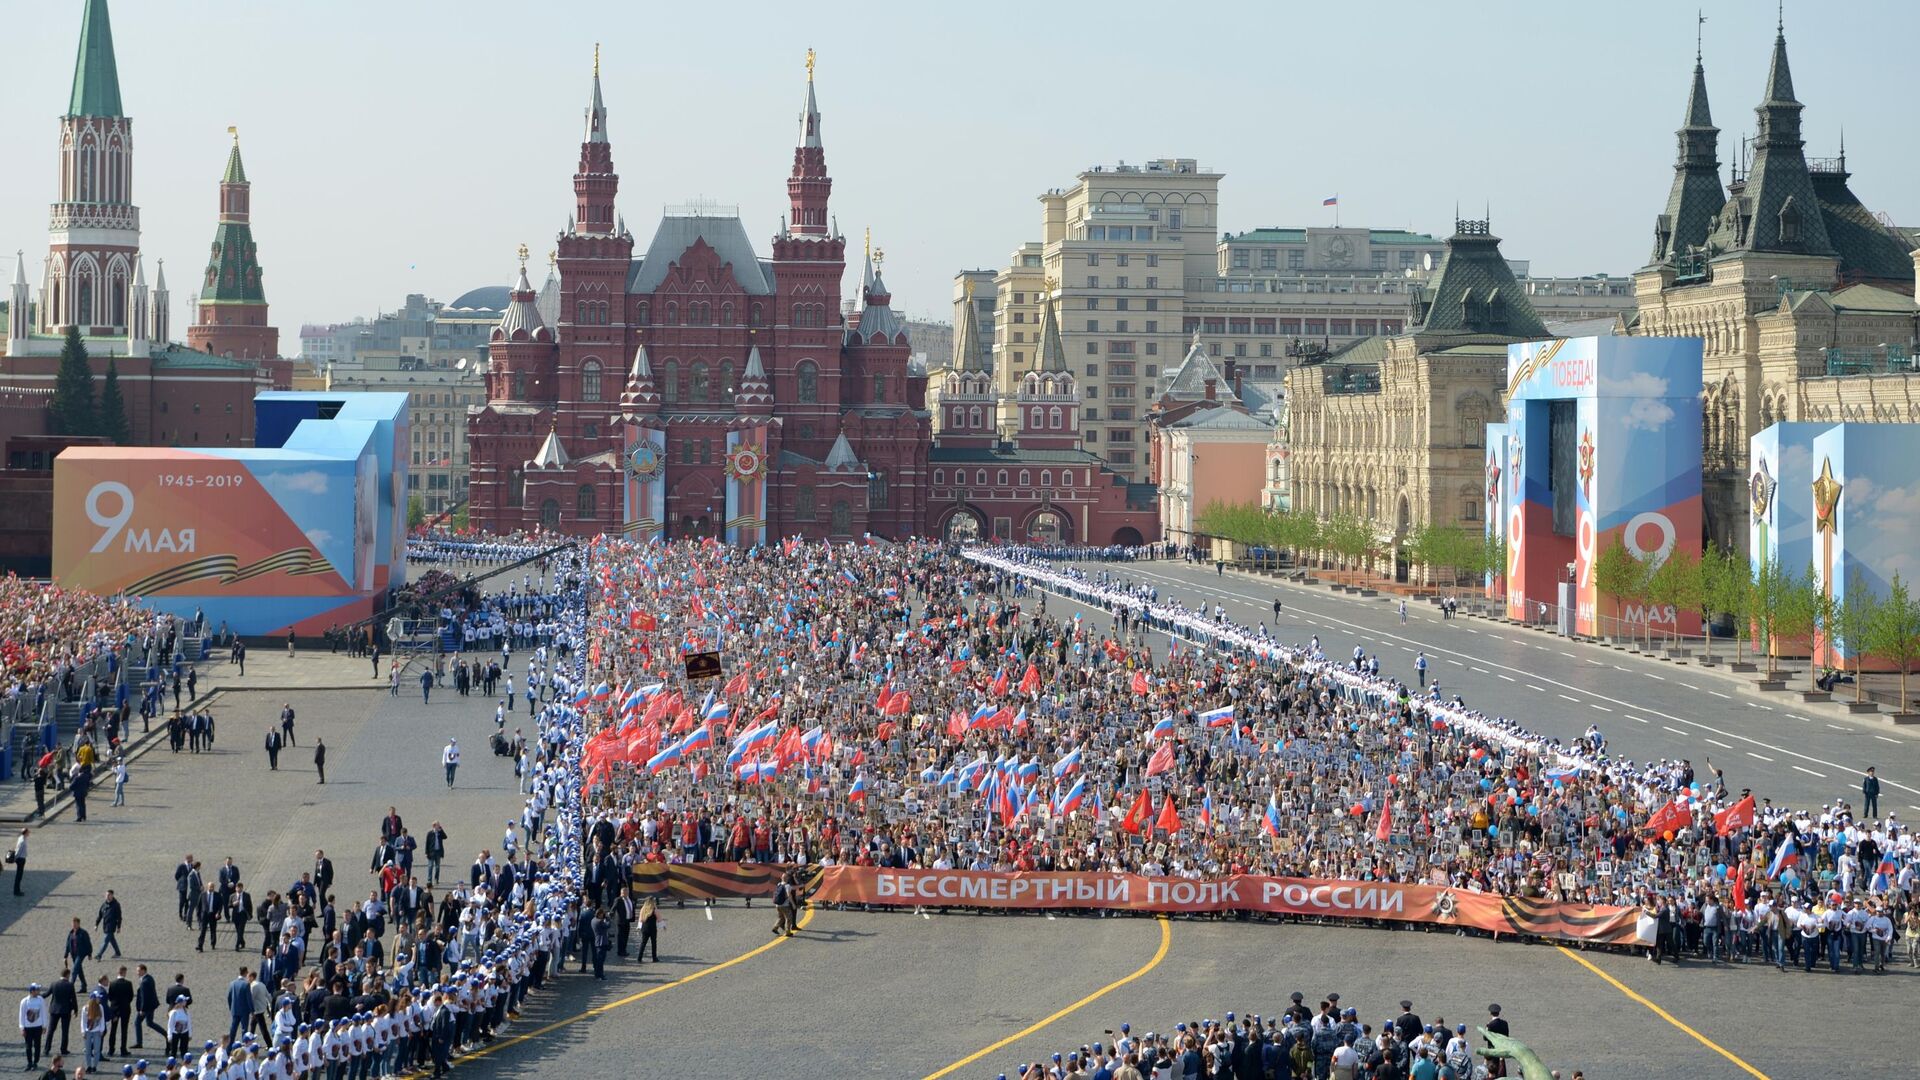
pixel 590 381
pixel 87 165
pixel 1001 478
pixel 1026 478
pixel 803 506
pixel 959 416
pixel 702 383
pixel 516 487
pixel 584 503
pixel 644 313
pixel 550 514
pixel 978 417
pixel 670 381
pixel 1054 416
pixel 1046 478
pixel 877 489
pixel 580 311
pixel 939 476
pixel 726 314
pixel 727 385
pixel 116 305
pixel 980 477
pixel 842 518
pixel 879 388
pixel 83 289
pixel 1034 416
pixel 753 314
pixel 808 377
pixel 673 313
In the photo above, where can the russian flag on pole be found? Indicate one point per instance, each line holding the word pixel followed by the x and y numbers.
pixel 1206 811
pixel 719 710
pixel 1163 728
pixel 602 692
pixel 1788 854
pixel 1271 822
pixel 697 739
pixel 1220 717
pixel 1067 763
pixel 1883 876
pixel 1074 797
pixel 859 789
pixel 664 759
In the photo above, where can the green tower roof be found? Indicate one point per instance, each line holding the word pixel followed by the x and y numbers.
pixel 96 81
pixel 236 172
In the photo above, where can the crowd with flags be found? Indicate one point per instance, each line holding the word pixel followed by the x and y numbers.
pixel 906 705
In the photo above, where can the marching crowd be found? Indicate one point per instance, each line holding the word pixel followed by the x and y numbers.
pixel 414 975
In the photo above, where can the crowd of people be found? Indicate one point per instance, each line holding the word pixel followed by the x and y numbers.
pixel 897 677
pixel 451 548
pixel 412 976
pixel 1301 1042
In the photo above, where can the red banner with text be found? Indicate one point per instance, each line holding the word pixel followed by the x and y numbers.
pixel 1601 925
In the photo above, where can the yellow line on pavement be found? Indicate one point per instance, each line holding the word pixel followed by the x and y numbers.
pixel 630 999
pixel 1166 941
pixel 1664 1014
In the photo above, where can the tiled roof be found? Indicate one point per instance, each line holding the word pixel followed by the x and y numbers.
pixel 1474 291
pixel 678 232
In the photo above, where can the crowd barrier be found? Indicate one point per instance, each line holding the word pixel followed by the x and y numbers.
pixel 1333 898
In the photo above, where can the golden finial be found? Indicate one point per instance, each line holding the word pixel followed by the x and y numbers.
pixel 523 256
pixel 969 288
pixel 235 132
pixel 869 241
pixel 879 257
pixel 596 59
pixel 553 259
pixel 809 65
pixel 1047 284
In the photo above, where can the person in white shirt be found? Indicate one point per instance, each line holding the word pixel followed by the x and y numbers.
pixel 33 1023
pixel 450 757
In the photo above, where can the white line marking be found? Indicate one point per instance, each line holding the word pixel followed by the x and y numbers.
pixel 1689 686
pixel 1717 742
pixel 1651 675
pixel 1718 694
pixel 1482 671
pixel 1571 698
pixel 1810 772
pixel 1797 716
pixel 1617 667
pixel 1836 727
pixel 1762 757
pixel 1568 655
pixel 1883 738
pixel 1540 689
pixel 709 912
pixel 1602 708
pixel 1630 716
pixel 1509 678
pixel 1675 730
pixel 1595 663
pixel 1542 648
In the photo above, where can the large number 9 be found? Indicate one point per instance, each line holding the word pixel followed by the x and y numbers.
pixel 117 521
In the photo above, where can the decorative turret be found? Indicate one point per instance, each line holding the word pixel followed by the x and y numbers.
pixel 1474 292
pixel 162 301
pixel 139 321
pixel 96 76
pixel 551 455
pixel 231 319
pixel 595 183
pixel 966 338
pixel 19 306
pixel 640 398
pixel 1696 197
pixel 1052 355
pixel 1047 407
pixel 1777 209
pixel 521 321
pixel 842 458
pixel 94 228
pixel 755 394
pixel 809 186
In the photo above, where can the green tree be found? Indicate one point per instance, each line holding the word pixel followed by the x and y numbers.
pixel 1677 582
pixel 1769 594
pixel 72 405
pixel 1493 556
pixel 1853 622
pixel 459 520
pixel 1617 574
pixel 416 511
pixel 113 408
pixel 1714 568
pixel 1732 590
pixel 1893 634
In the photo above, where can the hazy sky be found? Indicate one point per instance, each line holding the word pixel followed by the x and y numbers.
pixel 410 146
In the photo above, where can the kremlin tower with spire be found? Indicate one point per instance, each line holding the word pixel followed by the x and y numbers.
pixel 698 389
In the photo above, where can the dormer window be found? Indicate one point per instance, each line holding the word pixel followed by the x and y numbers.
pixel 1789 222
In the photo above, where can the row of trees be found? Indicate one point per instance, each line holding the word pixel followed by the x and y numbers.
pixel 74 409
pixel 1351 541
pixel 1768 604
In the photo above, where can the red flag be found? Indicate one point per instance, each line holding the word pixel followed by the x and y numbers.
pixel 1738 897
pixel 1137 816
pixel 899 704
pixel 999 686
pixel 1386 822
pixel 885 730
pixel 1030 682
pixel 1169 817
pixel 957 724
pixel 1161 761
pixel 1139 682
pixel 684 723
pixel 737 685
pixel 1672 816
pixel 957 666
pixel 1738 816
pixel 886 694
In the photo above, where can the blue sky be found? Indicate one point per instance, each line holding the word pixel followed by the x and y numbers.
pixel 409 147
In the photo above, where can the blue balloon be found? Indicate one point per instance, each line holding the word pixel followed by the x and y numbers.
pixel 1485 784
pixel 1493 831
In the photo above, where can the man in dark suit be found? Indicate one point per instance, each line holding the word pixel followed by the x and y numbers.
pixel 120 1011
pixel 623 912
pixel 181 874
pixel 320 759
pixel 211 911
pixel 239 911
pixel 62 1003
pixel 146 1002
pixel 1497 1025
pixel 229 876
pixel 322 873
pixel 273 749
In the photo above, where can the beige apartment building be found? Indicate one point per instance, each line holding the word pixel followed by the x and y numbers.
pixel 1803 297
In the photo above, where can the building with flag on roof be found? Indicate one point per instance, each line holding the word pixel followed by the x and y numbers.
pixel 698 387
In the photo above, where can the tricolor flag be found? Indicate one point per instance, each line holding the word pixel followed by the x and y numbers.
pixel 1206 811
pixel 1028 771
pixel 1788 854
pixel 697 739
pixel 859 789
pixel 1331 200
pixel 1075 795
pixel 719 710
pixel 1067 763
pixel 1883 876
pixel 1271 822
pixel 665 759
pixel 1217 718
pixel 602 692
pixel 1162 728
